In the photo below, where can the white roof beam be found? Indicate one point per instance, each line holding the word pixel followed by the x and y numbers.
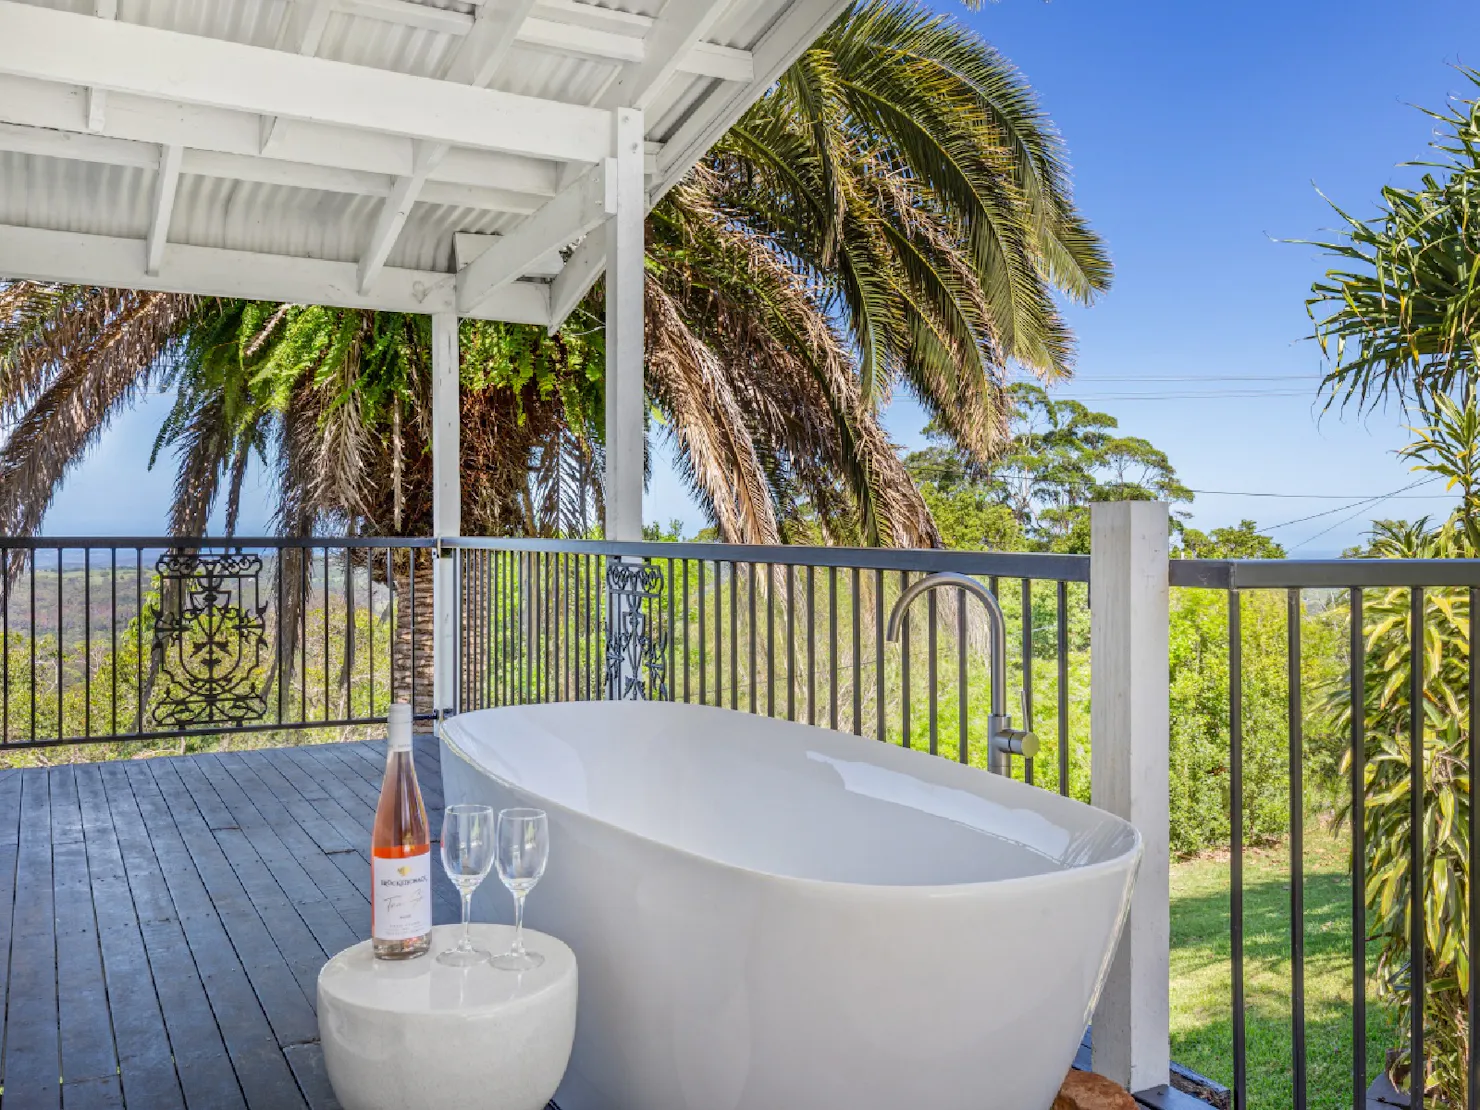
pixel 166 184
pixel 675 33
pixel 475 62
pixel 566 27
pixel 570 215
pixel 43 255
pixel 803 22
pixel 97 99
pixel 51 45
pixel 467 246
pixel 104 150
pixel 302 30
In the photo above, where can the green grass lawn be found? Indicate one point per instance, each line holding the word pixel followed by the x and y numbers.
pixel 1202 1023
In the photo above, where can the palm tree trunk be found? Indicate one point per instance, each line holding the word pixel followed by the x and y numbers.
pixel 411 644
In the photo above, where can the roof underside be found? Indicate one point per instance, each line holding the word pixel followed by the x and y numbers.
pixel 358 152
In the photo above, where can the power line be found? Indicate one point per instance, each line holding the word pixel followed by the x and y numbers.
pixel 1353 505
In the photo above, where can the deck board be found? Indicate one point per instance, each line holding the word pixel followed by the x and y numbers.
pixel 163 922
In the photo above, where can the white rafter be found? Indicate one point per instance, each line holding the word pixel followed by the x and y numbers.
pixel 301 31
pixel 166 184
pixel 62 256
pixel 675 33
pixel 50 45
pixel 475 62
pixel 800 25
pixel 572 213
pixel 97 99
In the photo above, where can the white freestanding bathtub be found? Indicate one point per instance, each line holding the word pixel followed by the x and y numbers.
pixel 769 916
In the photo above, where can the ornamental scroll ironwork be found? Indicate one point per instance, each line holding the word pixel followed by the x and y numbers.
pixel 209 646
pixel 635 650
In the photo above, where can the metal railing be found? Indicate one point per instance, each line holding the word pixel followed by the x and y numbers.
pixel 791 632
pixel 1391 617
pixel 143 639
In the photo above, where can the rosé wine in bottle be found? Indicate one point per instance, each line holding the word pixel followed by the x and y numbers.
pixel 400 853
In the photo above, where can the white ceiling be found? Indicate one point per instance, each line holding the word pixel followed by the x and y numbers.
pixel 334 151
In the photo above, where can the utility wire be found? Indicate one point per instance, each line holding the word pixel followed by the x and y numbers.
pixel 1354 505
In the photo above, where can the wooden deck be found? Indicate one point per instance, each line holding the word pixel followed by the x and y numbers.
pixel 166 920
pixel 168 917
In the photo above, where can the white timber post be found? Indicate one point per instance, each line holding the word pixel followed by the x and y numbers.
pixel 446 505
pixel 625 440
pixel 1129 775
pixel 625 248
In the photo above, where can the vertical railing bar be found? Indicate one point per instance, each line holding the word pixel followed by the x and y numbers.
pixel 734 635
pixel 112 639
pixel 1416 973
pixel 411 605
pixel 5 636
pixel 881 723
pixel 61 634
pixel 1236 844
pixel 719 633
pixel 349 633
pixel 963 752
pixel 1297 848
pixel 370 621
pixel 811 645
pixel 138 635
pixel 791 644
pixel 327 638
pixel 703 668
pixel 770 640
pixel 905 739
pixel 750 605
pixel 687 650
pixel 1063 664
pixel 932 684
pixel 832 650
pixel 32 684
pixel 1472 947
pixel 857 654
pixel 1027 706
pixel 458 664
pixel 87 641
pixel 1358 686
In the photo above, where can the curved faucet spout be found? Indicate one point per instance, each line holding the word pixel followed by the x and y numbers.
pixel 1002 739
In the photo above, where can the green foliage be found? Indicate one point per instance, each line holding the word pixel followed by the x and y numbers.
pixel 1400 315
pixel 1060 457
pixel 1243 541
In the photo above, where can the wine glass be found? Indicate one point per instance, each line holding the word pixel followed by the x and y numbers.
pixel 467 855
pixel 523 849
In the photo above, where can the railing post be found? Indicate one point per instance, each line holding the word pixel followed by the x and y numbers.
pixel 1129 738
pixel 446 506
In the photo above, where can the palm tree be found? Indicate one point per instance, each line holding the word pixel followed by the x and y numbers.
pixel 895 213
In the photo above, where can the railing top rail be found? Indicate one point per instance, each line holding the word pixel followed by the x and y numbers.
pixel 1066 568
pixel 156 543
pixel 1278 574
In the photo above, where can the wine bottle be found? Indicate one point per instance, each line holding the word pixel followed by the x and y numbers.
pixel 400 852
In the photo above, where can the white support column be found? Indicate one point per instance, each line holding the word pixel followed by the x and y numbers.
pixel 446 503
pixel 624 320
pixel 1129 737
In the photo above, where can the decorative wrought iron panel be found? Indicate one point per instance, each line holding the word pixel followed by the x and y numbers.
pixel 210 646
pixel 636 648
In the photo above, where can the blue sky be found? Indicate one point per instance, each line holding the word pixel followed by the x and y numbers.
pixel 1199 133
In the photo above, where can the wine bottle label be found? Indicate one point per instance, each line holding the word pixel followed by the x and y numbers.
pixel 403 896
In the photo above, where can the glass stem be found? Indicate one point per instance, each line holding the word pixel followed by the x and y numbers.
pixel 519 924
pixel 467 913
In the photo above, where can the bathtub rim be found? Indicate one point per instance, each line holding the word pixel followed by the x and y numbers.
pixel 1129 859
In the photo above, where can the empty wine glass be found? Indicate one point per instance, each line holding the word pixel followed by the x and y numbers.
pixel 523 849
pixel 467 855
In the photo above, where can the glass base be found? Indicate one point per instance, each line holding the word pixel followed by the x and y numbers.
pixel 518 961
pixel 463 957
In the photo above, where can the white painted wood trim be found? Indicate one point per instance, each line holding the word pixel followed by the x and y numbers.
pixel 51 45
pixel 573 212
pixel 166 185
pixel 1130 775
pixel 576 278
pixel 625 360
pixel 675 33
pixel 97 99
pixel 446 501
pixel 41 255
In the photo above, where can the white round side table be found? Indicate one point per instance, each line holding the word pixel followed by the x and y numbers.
pixel 417 1035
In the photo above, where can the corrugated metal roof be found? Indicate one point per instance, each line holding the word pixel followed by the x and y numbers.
pixel 328 188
